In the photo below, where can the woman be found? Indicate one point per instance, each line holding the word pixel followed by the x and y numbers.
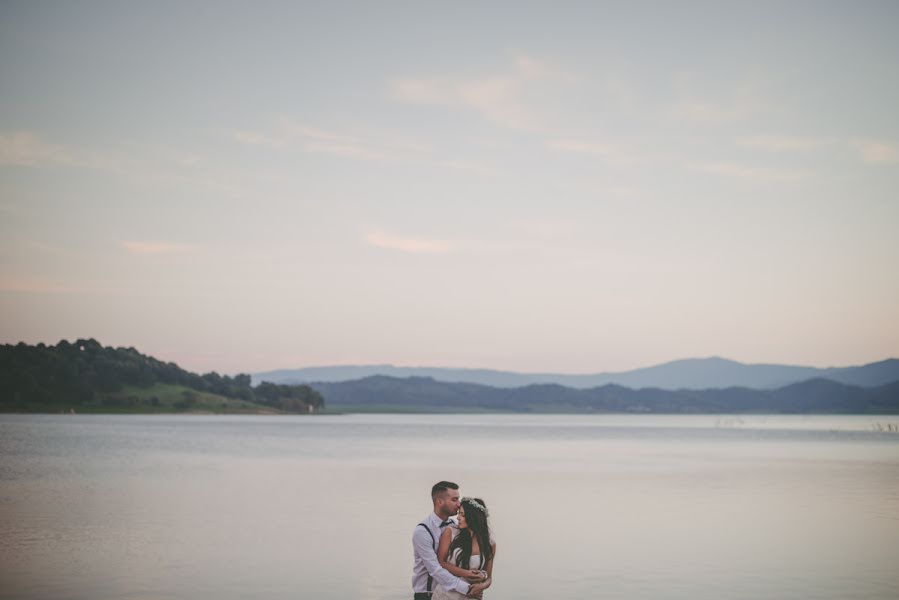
pixel 467 551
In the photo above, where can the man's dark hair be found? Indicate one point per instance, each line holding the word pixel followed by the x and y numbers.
pixel 442 486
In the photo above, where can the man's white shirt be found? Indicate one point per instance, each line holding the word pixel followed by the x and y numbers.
pixel 425 559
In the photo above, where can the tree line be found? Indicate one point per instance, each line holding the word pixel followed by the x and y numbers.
pixel 78 372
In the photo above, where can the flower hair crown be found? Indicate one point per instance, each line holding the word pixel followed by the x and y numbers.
pixel 477 505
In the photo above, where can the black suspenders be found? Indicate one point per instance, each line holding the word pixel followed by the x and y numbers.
pixel 433 543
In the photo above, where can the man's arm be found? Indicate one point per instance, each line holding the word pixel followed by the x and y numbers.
pixel 446 538
pixel 421 541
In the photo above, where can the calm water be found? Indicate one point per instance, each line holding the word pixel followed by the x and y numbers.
pixel 644 507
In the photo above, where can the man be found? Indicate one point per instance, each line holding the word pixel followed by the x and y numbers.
pixel 426 569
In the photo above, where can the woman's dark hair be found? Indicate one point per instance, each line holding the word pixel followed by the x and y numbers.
pixel 476 519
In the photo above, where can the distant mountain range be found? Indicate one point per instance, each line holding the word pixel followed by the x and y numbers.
pixel 423 394
pixel 85 376
pixel 688 374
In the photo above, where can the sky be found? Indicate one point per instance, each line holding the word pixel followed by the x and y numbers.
pixel 568 187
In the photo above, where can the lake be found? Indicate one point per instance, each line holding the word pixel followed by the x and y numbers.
pixel 602 506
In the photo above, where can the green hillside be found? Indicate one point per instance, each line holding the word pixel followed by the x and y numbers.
pixel 87 377
pixel 159 398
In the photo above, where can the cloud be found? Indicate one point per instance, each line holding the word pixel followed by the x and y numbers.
pixel 422 91
pixel 617 154
pixel 464 165
pixel 29 286
pixel 37 285
pixel 188 160
pixel 48 249
pixel 27 149
pixel 545 229
pixel 304 131
pixel 157 248
pixel 251 138
pixel 380 239
pixel 778 143
pixel 742 100
pixel 347 150
pixel 870 151
pixel 531 68
pixel 496 99
pixel 138 163
pixel 291 134
pixel 877 152
pixel 709 112
pixel 366 147
pixel 579 146
pixel 499 99
pixel 747 172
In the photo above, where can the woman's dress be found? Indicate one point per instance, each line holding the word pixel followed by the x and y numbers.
pixel 443 594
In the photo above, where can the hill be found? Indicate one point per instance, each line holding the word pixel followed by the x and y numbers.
pixel 379 393
pixel 693 374
pixel 87 377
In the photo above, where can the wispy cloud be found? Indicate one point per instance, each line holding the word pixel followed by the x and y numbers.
pixel 347 150
pixel 546 236
pixel 32 286
pixel 579 146
pixel 545 229
pixel 697 103
pixel 27 149
pixel 529 67
pixel 617 153
pixel 748 172
pixel 157 248
pixel 877 152
pixel 48 249
pixel 710 112
pixel 188 160
pixel 499 101
pixel 780 143
pixel 422 91
pixel 39 285
pixel 304 131
pixel 499 98
pixel 464 165
pixel 251 138
pixel 412 245
pixel 290 134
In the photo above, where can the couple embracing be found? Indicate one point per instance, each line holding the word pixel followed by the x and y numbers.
pixel 453 557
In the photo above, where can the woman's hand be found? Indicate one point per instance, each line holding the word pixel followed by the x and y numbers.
pixel 475 576
pixel 476 590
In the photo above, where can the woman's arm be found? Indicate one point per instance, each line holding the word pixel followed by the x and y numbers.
pixel 446 539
